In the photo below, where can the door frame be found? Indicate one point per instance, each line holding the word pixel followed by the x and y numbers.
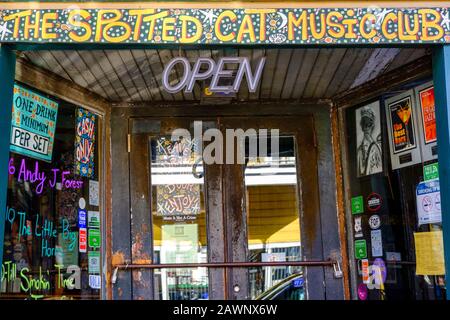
pixel 319 113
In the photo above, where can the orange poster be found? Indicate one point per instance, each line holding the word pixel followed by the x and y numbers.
pixel 428 114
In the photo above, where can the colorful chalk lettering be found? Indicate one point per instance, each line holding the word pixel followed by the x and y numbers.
pixel 328 26
pixel 41 179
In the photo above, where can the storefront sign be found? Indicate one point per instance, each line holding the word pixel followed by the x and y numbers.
pixel 329 26
pixel 428 115
pixel 360 249
pixel 376 243
pixel 357 205
pixel 431 171
pixel 84 143
pixel 33 124
pixel 82 241
pixel 216 71
pixel 428 201
pixel 374 202
pixel 429 253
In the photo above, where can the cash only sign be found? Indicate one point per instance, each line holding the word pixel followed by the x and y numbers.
pixel 146 24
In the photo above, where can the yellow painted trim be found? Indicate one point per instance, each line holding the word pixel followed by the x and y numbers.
pixel 221 4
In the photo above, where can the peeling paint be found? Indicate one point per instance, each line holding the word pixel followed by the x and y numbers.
pixel 118 258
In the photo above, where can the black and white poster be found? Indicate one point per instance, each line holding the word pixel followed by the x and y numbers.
pixel 368 140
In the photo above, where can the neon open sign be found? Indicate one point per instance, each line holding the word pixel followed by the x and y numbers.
pixel 216 71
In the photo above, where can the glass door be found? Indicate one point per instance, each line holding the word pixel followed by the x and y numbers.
pixel 225 201
pixel 279 154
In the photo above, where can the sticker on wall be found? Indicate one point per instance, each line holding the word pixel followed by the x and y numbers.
pixel 428 202
pixel 402 130
pixel 82 240
pixel 377 243
pixel 365 270
pixel 82 203
pixel 93 219
pixel 357 205
pixel 431 171
pixel 374 221
pixel 82 218
pixel 84 143
pixel 33 124
pixel 93 193
pixel 358 227
pixel 382 270
pixel 95 281
pixel 94 238
pixel 363 292
pixel 94 262
pixel 360 249
pixel 374 202
pixel 369 154
pixel 427 127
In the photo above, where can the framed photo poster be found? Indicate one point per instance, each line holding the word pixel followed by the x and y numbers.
pixel 402 130
pixel 427 127
pixel 369 150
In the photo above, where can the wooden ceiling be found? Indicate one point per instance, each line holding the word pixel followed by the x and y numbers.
pixel 134 76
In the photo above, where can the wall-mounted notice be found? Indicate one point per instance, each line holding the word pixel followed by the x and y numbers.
pixel 427 127
pixel 365 270
pixel 376 243
pixel 68 253
pixel 368 140
pixel 428 202
pixel 33 124
pixel 429 253
pixel 402 128
pixel 93 193
pixel 84 143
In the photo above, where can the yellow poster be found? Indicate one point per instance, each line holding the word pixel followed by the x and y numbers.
pixel 429 253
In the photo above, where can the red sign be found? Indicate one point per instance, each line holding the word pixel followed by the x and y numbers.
pixel 428 114
pixel 374 202
pixel 82 240
pixel 365 270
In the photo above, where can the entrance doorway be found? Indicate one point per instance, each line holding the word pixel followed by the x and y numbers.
pixel 239 226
